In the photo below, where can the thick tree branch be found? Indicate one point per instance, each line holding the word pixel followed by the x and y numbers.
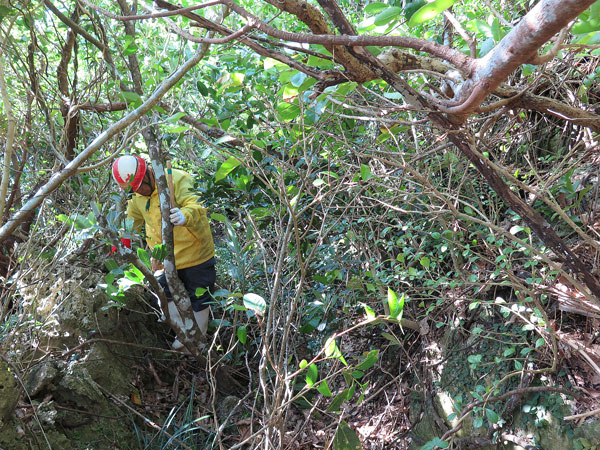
pixel 519 46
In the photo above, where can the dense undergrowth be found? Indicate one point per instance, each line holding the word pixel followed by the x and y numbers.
pixel 361 258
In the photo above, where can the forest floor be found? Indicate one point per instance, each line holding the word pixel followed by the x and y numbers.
pixel 381 420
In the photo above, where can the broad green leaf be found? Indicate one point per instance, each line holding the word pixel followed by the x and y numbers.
pixel 369 360
pixel 509 351
pixel 396 305
pixel 425 262
pixel 497 33
pixel 365 172
pixel 111 265
pixel 159 252
pixel 134 274
pixel 255 303
pixel 4 11
pixel 226 168
pixel 391 338
pixel 474 359
pixel 540 342
pixel 237 79
pixel 130 97
pixel 375 7
pixel 595 11
pixel 435 443
pixel 413 7
pixel 177 130
pixel 288 111
pixel 369 311
pixel 175 117
pixel 491 415
pixel 311 375
pixel 429 11
pixel 337 401
pixel 218 217
pixel 323 389
pixel 345 88
pixel 527 69
pixel 242 334
pixel 486 46
pixel 202 88
pixel 387 15
pixel 261 213
pixel 144 257
pixel 298 79
pixel 346 438
pixel 333 351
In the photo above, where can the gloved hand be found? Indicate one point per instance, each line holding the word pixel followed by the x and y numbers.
pixel 177 217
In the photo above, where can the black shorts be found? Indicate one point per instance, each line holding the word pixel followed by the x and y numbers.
pixel 201 276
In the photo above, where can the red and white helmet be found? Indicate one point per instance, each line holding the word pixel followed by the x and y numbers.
pixel 129 170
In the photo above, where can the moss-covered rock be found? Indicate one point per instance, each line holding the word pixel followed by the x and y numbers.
pixel 9 393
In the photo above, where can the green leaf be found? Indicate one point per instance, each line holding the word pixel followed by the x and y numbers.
pixel 595 11
pixel 429 11
pixel 333 351
pixel 413 7
pixel 369 311
pixel 369 360
pixel 226 168
pixel 130 97
pixel 435 443
pixel 288 111
pixel 4 11
pixel 175 117
pixel 375 7
pixel 509 351
pixel 298 79
pixel 111 265
pixel 387 15
pixel 540 342
pixel 391 338
pixel 365 172
pixel 491 415
pixel 337 401
pixel 527 69
pixel 255 303
pixel 425 261
pixel 474 359
pixel 323 389
pixel 496 30
pixel 311 375
pixel 144 257
pixel 587 26
pixel 134 275
pixel 202 88
pixel 218 217
pixel 396 306
pixel 346 438
pixel 159 252
pixel 242 334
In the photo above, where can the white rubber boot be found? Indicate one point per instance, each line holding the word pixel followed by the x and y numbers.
pixel 202 320
pixel 175 317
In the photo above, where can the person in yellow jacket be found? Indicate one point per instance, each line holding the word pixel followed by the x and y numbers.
pixel 193 243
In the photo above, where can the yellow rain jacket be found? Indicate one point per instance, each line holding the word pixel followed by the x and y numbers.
pixel 193 241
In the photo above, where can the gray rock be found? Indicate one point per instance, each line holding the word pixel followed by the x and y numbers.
pixel 9 393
